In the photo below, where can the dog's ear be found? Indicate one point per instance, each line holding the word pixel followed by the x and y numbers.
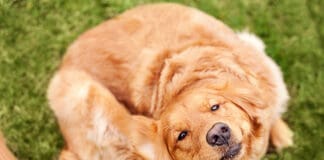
pixel 246 97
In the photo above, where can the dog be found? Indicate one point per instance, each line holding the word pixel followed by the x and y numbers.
pixel 165 81
pixel 5 153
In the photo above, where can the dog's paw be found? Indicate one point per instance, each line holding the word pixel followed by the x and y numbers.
pixel 281 135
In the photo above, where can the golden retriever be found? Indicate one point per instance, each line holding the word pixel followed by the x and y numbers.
pixel 5 153
pixel 165 81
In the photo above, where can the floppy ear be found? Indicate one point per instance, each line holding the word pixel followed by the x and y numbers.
pixel 252 103
pixel 246 97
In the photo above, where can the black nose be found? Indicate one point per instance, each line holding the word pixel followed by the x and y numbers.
pixel 219 134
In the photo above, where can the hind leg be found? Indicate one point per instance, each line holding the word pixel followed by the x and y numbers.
pixel 94 124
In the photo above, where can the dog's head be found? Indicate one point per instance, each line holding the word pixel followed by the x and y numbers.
pixel 213 108
pixel 208 124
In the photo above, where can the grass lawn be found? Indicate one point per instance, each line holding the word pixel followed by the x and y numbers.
pixel 35 33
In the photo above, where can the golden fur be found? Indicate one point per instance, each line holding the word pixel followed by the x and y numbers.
pixel 5 153
pixel 168 64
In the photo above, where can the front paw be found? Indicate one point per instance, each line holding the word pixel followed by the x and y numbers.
pixel 281 135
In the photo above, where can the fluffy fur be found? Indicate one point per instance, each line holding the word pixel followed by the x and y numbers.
pixel 168 64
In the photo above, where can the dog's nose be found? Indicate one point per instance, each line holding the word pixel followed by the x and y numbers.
pixel 219 134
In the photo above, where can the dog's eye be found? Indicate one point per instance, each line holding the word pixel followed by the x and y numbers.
pixel 182 135
pixel 214 107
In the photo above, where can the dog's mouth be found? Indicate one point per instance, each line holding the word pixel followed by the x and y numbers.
pixel 232 151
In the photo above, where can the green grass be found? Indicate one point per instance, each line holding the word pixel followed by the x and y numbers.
pixel 35 33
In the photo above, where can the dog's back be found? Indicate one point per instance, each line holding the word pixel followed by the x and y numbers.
pixel 140 41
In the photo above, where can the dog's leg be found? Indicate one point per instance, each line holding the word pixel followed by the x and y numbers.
pixel 94 124
pixel 281 135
